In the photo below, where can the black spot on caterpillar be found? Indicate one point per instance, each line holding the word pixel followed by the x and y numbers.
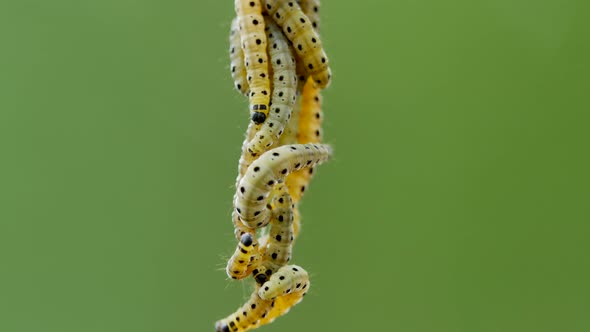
pixel 288 279
pixel 246 317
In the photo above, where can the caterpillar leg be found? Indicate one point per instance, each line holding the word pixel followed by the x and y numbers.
pixel 247 317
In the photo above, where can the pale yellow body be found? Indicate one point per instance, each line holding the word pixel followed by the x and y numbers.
pixel 236 57
pixel 306 41
pixel 253 39
pixel 284 89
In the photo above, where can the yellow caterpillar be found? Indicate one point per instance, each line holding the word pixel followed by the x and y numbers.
pixel 247 317
pixel 288 279
pixel 309 131
pixel 271 168
pixel 244 258
pixel 306 42
pixel 284 89
pixel 236 57
pixel 280 306
pixel 277 248
pixel 253 41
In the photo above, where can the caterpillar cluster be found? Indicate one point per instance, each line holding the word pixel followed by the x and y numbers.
pixel 279 64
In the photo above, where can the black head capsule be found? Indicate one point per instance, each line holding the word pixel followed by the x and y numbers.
pixel 258 117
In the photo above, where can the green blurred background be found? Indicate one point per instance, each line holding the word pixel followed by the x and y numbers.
pixel 458 199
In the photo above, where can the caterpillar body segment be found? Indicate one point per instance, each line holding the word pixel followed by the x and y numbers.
pixel 245 160
pixel 306 42
pixel 236 57
pixel 278 247
pixel 247 317
pixel 244 258
pixel 281 305
pixel 289 135
pixel 269 169
pixel 311 8
pixel 309 131
pixel 284 89
pixel 288 279
pixel 253 42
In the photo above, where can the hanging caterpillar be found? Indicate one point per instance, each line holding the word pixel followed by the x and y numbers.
pixel 272 167
pixel 309 131
pixel 280 306
pixel 284 90
pixel 244 258
pixel 276 251
pixel 236 57
pixel 253 42
pixel 246 317
pixel 306 41
pixel 288 279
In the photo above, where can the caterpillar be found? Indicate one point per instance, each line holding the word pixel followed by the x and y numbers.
pixel 236 57
pixel 280 306
pixel 288 279
pixel 306 41
pixel 245 160
pixel 309 131
pixel 311 8
pixel 284 89
pixel 244 258
pixel 278 246
pixel 247 317
pixel 253 41
pixel 269 169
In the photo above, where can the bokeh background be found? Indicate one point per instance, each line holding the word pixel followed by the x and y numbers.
pixel 458 199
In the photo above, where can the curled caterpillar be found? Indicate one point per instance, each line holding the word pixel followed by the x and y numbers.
pixel 247 317
pixel 244 258
pixel 306 41
pixel 284 89
pixel 271 168
pixel 278 246
pixel 253 41
pixel 288 279
pixel 236 57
